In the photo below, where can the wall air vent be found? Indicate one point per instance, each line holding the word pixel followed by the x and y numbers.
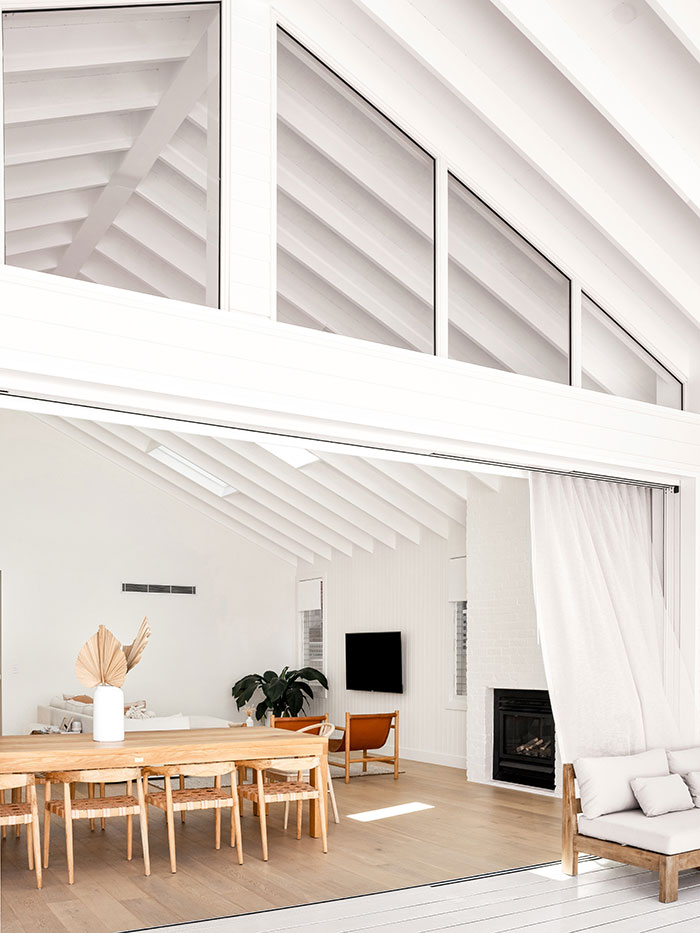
pixel 158 588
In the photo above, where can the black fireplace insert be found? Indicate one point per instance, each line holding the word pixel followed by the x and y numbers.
pixel 523 738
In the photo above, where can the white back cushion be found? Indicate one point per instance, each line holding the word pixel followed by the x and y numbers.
pixel 604 783
pixel 692 779
pixel 659 795
pixel 684 760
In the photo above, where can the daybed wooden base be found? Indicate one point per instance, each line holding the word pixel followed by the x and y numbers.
pixel 572 842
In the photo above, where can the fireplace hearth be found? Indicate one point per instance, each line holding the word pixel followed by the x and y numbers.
pixel 523 738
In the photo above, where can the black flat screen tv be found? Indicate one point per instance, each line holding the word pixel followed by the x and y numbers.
pixel 373 662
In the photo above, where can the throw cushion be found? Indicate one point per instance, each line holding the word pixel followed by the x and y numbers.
pixel 604 783
pixel 684 760
pixel 692 779
pixel 659 795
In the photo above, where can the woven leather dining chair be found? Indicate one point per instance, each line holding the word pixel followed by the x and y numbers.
pixel 23 813
pixel 263 792
pixel 198 798
pixel 70 808
pixel 324 729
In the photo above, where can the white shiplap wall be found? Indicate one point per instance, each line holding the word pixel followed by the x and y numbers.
pixel 398 589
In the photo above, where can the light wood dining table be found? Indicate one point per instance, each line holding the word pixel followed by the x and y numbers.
pixel 78 751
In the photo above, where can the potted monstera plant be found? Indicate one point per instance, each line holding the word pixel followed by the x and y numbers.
pixel 284 694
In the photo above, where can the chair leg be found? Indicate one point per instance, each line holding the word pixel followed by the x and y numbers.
pixel 322 800
pixel 332 793
pixel 143 826
pixel 34 828
pixel 668 879
pixel 68 814
pixel 91 793
pixel 30 850
pixel 236 814
pixel 347 759
pixel 170 820
pixel 103 821
pixel 217 816
pixel 262 812
pixel 182 787
pixel 286 814
pixel 17 798
pixel 299 805
pixel 3 800
pixel 364 762
pixel 129 828
pixel 47 822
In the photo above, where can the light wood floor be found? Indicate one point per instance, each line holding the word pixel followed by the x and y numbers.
pixel 471 829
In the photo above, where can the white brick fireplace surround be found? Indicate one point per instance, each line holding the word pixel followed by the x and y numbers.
pixel 502 647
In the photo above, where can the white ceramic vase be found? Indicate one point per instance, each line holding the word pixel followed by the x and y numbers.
pixel 108 714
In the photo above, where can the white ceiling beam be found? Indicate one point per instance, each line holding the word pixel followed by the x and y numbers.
pixel 149 226
pixel 84 57
pixel 46 236
pixel 78 172
pixel 104 271
pixel 317 299
pixel 590 75
pixel 223 463
pixel 422 485
pixel 57 208
pixel 520 129
pixel 40 260
pixel 350 223
pixel 366 499
pixel 682 17
pixel 41 142
pixel 149 266
pixel 177 100
pixel 285 489
pixel 344 151
pixel 308 486
pixel 324 263
pixel 76 430
pixel 239 505
pixel 366 475
pixel 166 190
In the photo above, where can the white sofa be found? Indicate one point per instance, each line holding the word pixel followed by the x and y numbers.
pixel 59 708
pixel 607 819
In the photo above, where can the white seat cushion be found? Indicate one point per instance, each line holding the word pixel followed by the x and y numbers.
pixel 668 834
pixel 604 783
pixel 178 721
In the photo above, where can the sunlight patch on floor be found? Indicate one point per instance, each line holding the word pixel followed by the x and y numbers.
pixel 369 816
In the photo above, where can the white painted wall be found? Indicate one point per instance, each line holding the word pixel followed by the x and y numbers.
pixel 75 527
pixel 402 589
pixel 502 646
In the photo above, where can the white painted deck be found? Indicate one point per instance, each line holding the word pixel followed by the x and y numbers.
pixel 605 896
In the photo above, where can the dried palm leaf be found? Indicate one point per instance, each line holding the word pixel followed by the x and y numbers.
pixel 101 660
pixel 133 652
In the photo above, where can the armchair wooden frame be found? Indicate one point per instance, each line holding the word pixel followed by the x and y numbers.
pixel 347 745
pixel 572 842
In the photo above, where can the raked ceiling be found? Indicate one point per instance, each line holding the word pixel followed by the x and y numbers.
pixel 106 116
pixel 335 504
pixel 587 109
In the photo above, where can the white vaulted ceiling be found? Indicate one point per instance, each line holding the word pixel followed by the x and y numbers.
pixel 106 115
pixel 336 503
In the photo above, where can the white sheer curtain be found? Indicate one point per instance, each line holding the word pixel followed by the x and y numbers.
pixel 601 617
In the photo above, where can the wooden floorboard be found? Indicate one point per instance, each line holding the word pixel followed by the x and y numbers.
pixel 471 829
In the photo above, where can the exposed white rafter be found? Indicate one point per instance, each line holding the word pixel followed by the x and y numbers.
pixel 180 97
pixel 590 75
pixel 683 19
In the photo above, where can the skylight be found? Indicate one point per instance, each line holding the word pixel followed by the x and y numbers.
pixel 191 471
pixel 294 456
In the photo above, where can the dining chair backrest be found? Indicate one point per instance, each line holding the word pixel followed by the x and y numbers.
pixel 94 776
pixel 297 723
pixel 284 764
pixel 324 730
pixel 11 781
pixel 201 769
